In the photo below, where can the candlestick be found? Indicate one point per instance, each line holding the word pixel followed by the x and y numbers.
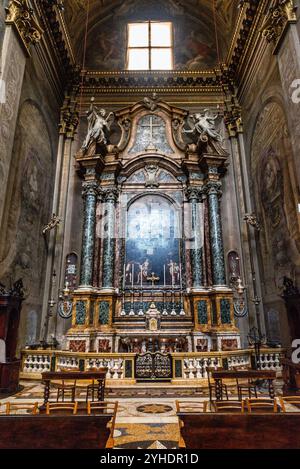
pixel 123 312
pixel 141 311
pixel 165 312
pixel 182 312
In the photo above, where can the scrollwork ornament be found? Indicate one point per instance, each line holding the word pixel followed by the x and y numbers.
pixel 278 16
pixel 21 15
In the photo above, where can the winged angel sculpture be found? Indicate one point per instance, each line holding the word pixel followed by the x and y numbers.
pixel 98 126
pixel 203 124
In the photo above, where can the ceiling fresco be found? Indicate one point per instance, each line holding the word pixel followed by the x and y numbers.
pixel 193 23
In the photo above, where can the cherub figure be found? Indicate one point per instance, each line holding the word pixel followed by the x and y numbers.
pixel 98 126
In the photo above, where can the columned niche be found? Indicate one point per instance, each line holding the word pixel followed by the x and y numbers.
pixel 152 260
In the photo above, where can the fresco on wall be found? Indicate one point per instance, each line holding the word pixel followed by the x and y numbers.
pixel 194 45
pixel 275 190
pixel 152 243
pixel 23 255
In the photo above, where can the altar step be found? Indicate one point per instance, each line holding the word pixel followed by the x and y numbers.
pixel 142 390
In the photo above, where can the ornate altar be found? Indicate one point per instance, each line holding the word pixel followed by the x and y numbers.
pixel 152 273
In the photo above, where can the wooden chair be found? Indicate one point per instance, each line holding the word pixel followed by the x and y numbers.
pixel 211 384
pixel 61 407
pixel 94 408
pixel 294 400
pixel 229 406
pixel 65 387
pixel 248 386
pixel 261 405
pixel 190 406
pixel 14 407
pixel 92 389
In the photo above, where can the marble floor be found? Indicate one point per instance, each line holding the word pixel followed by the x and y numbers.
pixel 141 422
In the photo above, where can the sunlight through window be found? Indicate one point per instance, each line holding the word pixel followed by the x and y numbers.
pixel 150 46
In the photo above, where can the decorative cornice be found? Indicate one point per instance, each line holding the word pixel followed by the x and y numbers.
pixel 21 15
pixel 278 16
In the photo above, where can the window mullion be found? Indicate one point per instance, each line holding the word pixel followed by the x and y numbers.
pixel 149 45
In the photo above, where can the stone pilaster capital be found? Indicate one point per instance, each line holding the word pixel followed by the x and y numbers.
pixel 213 188
pixel 90 188
pixel 193 193
pixel 233 120
pixel 20 14
pixel 69 119
pixel 110 194
pixel 276 20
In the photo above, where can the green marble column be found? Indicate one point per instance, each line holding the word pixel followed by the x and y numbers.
pixel 213 191
pixel 89 194
pixel 110 199
pixel 196 252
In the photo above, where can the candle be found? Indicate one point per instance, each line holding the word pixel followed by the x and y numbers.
pixel 141 276
pixel 124 275
pixel 132 274
pixel 164 275
pixel 180 273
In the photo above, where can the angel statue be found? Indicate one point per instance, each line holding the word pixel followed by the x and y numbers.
pixel 98 126
pixel 204 123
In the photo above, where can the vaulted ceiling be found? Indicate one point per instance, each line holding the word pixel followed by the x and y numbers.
pixel 193 21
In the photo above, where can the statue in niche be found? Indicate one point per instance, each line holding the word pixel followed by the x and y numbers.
pixel 151 175
pixel 203 124
pixel 98 126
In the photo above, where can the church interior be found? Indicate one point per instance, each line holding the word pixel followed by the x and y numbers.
pixel 150 224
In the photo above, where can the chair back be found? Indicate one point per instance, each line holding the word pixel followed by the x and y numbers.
pixel 62 407
pixel 14 408
pixel 229 406
pixel 192 407
pixel 261 405
pixel 293 400
pixel 94 408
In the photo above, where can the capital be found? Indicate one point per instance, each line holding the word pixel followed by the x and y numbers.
pixel 90 188
pixel 21 15
pixel 110 194
pixel 193 193
pixel 213 188
pixel 69 118
pixel 277 18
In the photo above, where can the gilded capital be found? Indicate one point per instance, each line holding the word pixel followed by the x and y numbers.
pixel 233 121
pixel 277 18
pixel 69 118
pixel 21 15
